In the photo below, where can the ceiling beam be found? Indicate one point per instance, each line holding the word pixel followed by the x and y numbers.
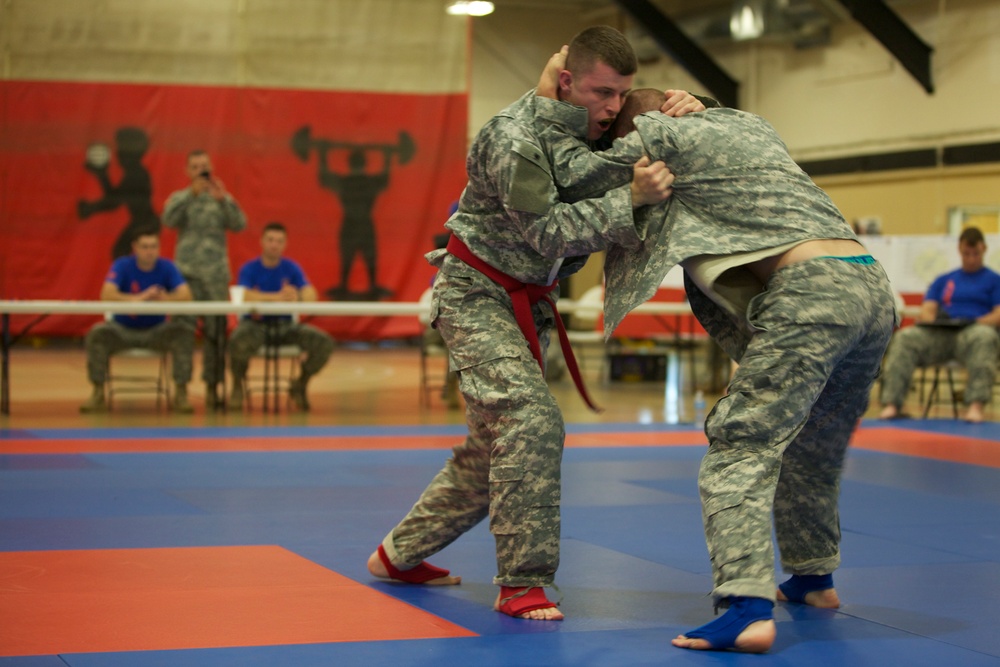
pixel 688 55
pixel 887 27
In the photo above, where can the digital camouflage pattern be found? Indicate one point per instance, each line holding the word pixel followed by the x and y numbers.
pixel 809 345
pixel 736 190
pixel 106 338
pixel 202 255
pixel 508 468
pixel 919 347
pixel 511 215
pixel 782 430
pixel 202 222
pixel 249 335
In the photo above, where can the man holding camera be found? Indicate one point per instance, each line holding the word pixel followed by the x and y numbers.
pixel 202 213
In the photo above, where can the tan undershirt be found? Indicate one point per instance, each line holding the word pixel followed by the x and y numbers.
pixel 732 280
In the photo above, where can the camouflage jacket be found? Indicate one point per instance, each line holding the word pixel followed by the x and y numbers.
pixel 201 224
pixel 736 190
pixel 511 215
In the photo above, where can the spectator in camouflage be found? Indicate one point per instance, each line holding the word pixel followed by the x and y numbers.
pixel 202 213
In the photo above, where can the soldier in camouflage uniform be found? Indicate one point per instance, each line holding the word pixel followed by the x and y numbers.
pixel 141 276
pixel 778 278
pixel 511 219
pixel 202 213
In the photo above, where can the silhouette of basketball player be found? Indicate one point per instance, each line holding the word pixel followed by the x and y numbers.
pixel 358 191
pixel 134 191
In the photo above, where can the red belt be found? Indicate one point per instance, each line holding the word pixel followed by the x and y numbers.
pixel 523 296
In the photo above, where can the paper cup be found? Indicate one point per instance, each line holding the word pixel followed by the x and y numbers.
pixel 236 293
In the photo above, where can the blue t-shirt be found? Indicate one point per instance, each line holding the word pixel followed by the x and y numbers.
pixel 126 275
pixel 255 275
pixel 966 296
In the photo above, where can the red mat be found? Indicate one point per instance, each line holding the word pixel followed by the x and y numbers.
pixel 54 602
pixel 316 443
pixel 938 446
pixel 942 447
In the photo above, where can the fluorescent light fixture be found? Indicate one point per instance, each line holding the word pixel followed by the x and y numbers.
pixel 747 19
pixel 470 8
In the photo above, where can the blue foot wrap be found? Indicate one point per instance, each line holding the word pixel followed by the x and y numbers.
pixel 795 589
pixel 723 631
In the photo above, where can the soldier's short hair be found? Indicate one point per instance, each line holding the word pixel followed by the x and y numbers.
pixel 601 44
pixel 144 230
pixel 636 102
pixel 971 236
pixel 274 226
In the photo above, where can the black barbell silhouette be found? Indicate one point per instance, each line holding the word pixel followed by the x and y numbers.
pixel 303 143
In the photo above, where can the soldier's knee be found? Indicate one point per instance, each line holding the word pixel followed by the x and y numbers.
pixel 242 344
pixel 984 336
pixel 97 334
pixel 239 357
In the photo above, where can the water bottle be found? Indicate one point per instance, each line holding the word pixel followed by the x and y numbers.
pixel 699 407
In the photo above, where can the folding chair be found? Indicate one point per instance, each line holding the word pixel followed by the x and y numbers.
pixel 949 368
pixel 130 381
pixel 271 383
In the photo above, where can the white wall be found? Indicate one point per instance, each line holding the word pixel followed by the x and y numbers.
pixel 509 49
pixel 399 46
pixel 851 97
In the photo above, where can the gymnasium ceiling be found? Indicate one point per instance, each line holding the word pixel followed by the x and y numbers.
pixel 687 29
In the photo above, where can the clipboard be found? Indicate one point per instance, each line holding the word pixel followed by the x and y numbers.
pixel 947 324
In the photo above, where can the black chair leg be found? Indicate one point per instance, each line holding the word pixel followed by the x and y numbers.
pixel 932 394
pixel 954 396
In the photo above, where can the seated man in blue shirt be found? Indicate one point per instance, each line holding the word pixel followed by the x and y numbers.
pixel 272 277
pixel 970 295
pixel 141 276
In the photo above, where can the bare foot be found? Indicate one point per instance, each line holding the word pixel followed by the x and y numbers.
pixel 548 614
pixel 377 569
pixel 888 412
pixel 758 637
pixel 974 415
pixel 825 599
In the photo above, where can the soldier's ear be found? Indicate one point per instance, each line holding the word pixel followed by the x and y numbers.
pixel 565 80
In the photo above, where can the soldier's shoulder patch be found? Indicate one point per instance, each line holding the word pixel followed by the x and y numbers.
pixel 531 182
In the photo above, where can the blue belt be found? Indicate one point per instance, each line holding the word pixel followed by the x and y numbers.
pixel 853 259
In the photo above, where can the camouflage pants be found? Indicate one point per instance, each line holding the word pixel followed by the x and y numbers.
pixel 777 441
pixel 249 335
pixel 508 467
pixel 213 327
pixel 976 347
pixel 106 338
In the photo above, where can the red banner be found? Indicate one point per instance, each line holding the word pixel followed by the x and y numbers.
pixel 393 161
